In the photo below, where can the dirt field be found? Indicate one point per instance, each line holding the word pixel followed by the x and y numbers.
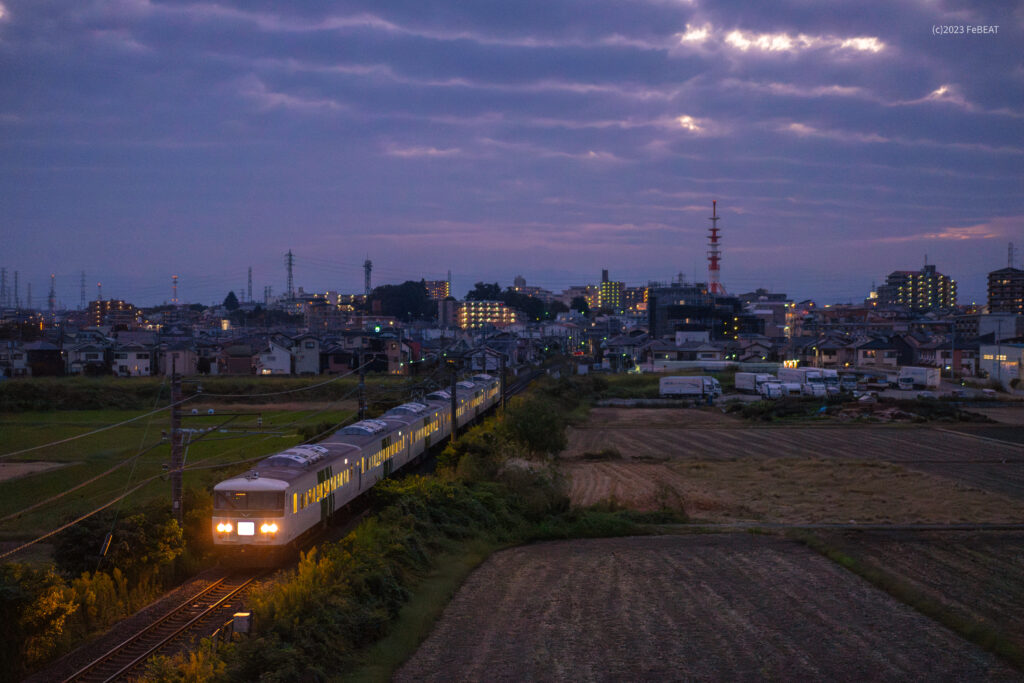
pixel 977 576
pixel 962 460
pixel 735 607
pixel 791 490
pixel 16 470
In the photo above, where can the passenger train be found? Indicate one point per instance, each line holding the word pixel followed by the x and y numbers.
pixel 289 495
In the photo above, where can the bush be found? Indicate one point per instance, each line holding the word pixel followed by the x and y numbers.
pixel 537 424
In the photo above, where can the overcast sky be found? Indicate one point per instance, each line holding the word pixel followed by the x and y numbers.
pixel 549 138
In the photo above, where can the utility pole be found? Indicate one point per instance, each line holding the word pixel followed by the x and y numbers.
pixel 177 460
pixel 362 382
pixel 53 299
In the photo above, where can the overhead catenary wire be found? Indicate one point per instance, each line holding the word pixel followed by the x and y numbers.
pixel 97 431
pixel 289 391
pixel 41 503
pixel 148 480
pixel 77 519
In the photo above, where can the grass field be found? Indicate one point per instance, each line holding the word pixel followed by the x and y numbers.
pixel 228 439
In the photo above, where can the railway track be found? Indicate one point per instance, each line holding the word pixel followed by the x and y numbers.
pixel 209 606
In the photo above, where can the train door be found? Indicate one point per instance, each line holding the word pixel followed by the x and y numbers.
pixel 323 478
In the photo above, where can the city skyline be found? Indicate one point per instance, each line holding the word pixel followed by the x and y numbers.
pixel 146 139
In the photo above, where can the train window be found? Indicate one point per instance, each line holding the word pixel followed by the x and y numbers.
pixel 248 500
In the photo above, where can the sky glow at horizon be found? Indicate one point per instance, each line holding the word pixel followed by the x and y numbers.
pixel 143 139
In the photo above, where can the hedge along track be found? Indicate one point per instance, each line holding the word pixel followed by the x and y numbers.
pixel 188 618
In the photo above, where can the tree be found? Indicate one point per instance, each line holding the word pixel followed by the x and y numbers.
pixel 407 301
pixel 580 304
pixel 231 301
pixel 556 307
pixel 485 292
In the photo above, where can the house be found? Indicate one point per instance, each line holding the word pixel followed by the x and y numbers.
pixel 274 359
pixel 306 352
pixel 13 360
pixel 88 358
pixel 236 359
pixel 44 359
pixel 877 353
pixel 131 360
pixel 177 357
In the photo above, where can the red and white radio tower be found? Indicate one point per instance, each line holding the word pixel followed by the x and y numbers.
pixel 714 284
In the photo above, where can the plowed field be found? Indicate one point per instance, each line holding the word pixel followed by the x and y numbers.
pixel 734 607
pixel 977 576
pixel 862 472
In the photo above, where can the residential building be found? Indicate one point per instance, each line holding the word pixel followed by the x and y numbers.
pixel 476 314
pixel 438 289
pixel 683 307
pixel 1006 291
pixel 113 313
pixel 926 289
pixel 611 294
pixel 448 312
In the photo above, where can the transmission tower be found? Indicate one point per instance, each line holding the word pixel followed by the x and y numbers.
pixel 250 285
pixel 17 296
pixel 81 303
pixel 28 296
pixel 289 260
pixel 367 267
pixel 714 255
pixel 174 290
pixel 3 286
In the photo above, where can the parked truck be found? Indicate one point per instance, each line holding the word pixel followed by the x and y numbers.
pixel 811 381
pixel 831 379
pixel 918 378
pixel 750 382
pixel 697 387
pixel 848 382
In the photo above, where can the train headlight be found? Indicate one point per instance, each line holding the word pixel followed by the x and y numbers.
pixel 224 527
pixel 269 528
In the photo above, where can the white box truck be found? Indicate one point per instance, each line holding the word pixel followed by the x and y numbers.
pixel 690 386
pixel 750 382
pixel 810 380
pixel 831 379
pixel 918 378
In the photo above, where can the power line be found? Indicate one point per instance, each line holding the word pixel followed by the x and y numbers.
pixel 97 431
pixel 286 391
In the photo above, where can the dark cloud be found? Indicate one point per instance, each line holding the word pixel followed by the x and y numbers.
pixel 842 140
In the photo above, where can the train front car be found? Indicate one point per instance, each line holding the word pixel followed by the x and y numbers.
pixel 256 518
